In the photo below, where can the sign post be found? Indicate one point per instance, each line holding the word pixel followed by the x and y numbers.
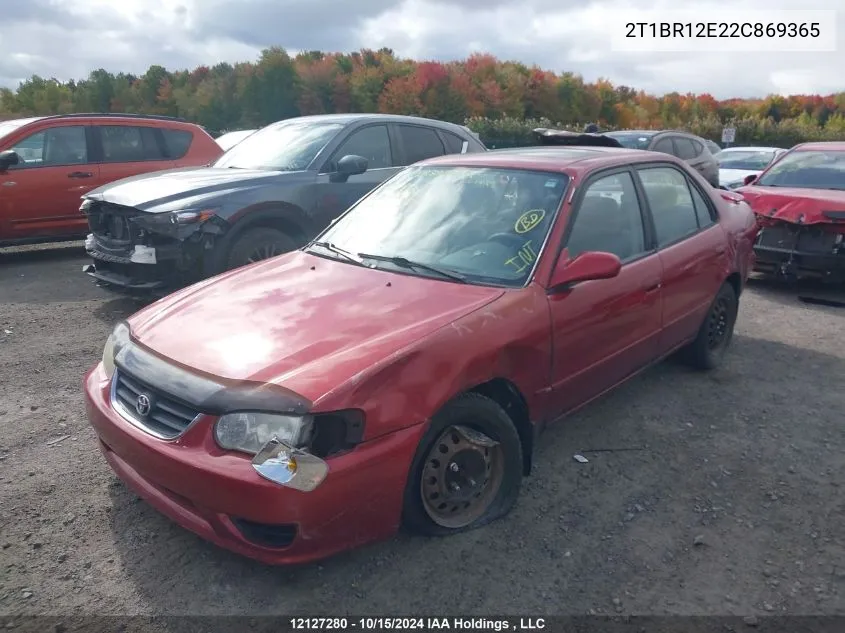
pixel 728 135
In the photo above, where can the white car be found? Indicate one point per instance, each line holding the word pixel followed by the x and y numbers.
pixel 736 163
pixel 230 139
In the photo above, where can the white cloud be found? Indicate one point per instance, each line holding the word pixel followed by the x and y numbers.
pixel 69 38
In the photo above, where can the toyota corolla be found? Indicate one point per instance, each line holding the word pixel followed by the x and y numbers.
pixel 398 368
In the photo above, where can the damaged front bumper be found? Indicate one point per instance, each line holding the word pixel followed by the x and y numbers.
pixel 146 253
pixel 796 252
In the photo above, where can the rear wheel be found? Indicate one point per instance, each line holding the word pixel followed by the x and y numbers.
pixel 467 470
pixel 254 245
pixel 715 334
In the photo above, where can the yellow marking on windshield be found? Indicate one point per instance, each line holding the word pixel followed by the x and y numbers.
pixel 529 220
pixel 524 257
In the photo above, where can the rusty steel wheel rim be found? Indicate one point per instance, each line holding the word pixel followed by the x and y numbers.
pixel 461 477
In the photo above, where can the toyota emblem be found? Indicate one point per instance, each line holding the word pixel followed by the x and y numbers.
pixel 143 405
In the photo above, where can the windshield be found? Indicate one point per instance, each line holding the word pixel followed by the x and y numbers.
pixel 287 146
pixel 7 127
pixel 486 225
pixel 807 169
pixel 632 140
pixel 751 160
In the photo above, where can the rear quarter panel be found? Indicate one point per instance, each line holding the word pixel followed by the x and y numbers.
pixel 741 228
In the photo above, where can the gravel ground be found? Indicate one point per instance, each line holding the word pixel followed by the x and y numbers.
pixel 713 494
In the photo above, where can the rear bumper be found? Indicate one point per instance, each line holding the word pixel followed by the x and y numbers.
pixel 218 495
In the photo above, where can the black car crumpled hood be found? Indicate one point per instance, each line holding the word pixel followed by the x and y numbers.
pixel 160 192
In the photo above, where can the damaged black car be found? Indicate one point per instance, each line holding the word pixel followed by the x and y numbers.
pixel 268 195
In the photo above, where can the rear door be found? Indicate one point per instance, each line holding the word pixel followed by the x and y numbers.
pixel 604 330
pixel 696 156
pixel 374 143
pixel 129 150
pixel 692 248
pixel 40 196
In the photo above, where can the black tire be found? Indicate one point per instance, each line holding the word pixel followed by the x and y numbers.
pixel 482 415
pixel 256 244
pixel 715 334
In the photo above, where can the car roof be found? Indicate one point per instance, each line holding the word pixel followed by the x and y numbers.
pixel 837 146
pixel 753 148
pixel 549 158
pixel 348 118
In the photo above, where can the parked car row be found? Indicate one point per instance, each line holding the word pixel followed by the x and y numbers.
pixel 395 314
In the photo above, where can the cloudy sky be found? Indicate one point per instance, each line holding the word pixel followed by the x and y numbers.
pixel 69 38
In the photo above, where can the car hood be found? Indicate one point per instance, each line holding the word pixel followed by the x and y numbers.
pixel 158 191
pixel 730 176
pixel 799 206
pixel 300 321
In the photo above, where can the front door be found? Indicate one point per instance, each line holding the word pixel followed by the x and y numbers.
pixel 605 330
pixel 40 196
pixel 130 150
pixel 333 198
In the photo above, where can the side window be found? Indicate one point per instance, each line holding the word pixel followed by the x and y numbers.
pixel 177 142
pixel 128 143
pixel 699 148
pixel 608 219
pixel 56 146
pixel 670 202
pixel 373 143
pixel 684 149
pixel 664 145
pixel 420 143
pixel 454 143
pixel 702 209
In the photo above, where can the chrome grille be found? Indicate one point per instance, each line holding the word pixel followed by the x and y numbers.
pixel 149 409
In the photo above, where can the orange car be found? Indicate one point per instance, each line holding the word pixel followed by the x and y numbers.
pixel 48 163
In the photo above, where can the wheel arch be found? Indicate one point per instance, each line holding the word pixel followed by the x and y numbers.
pixel 283 216
pixel 507 395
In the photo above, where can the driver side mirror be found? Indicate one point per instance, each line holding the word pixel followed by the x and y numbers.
pixel 349 165
pixel 8 158
pixel 588 266
pixel 749 179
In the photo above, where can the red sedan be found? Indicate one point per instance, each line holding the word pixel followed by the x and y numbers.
pixel 398 368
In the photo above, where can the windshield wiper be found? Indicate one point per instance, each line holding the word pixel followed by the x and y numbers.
pixel 407 263
pixel 338 251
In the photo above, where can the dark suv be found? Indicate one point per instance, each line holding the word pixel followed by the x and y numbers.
pixel 269 194
pixel 689 148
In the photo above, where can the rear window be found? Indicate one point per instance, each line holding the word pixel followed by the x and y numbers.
pixel 177 142
pixel 685 148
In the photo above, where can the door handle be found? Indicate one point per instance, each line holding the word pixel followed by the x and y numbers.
pixel 653 287
pixel 80 174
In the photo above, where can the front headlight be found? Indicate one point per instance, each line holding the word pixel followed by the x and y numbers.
pixel 117 339
pixel 249 431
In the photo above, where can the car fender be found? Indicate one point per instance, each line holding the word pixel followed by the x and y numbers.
pixel 279 214
pixel 508 338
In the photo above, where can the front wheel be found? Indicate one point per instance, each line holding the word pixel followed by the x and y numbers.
pixel 715 334
pixel 257 244
pixel 467 470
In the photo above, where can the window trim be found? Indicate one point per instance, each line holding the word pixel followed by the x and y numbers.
pixel 89 147
pixel 699 229
pixel 649 239
pixel 401 141
pixel 326 167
